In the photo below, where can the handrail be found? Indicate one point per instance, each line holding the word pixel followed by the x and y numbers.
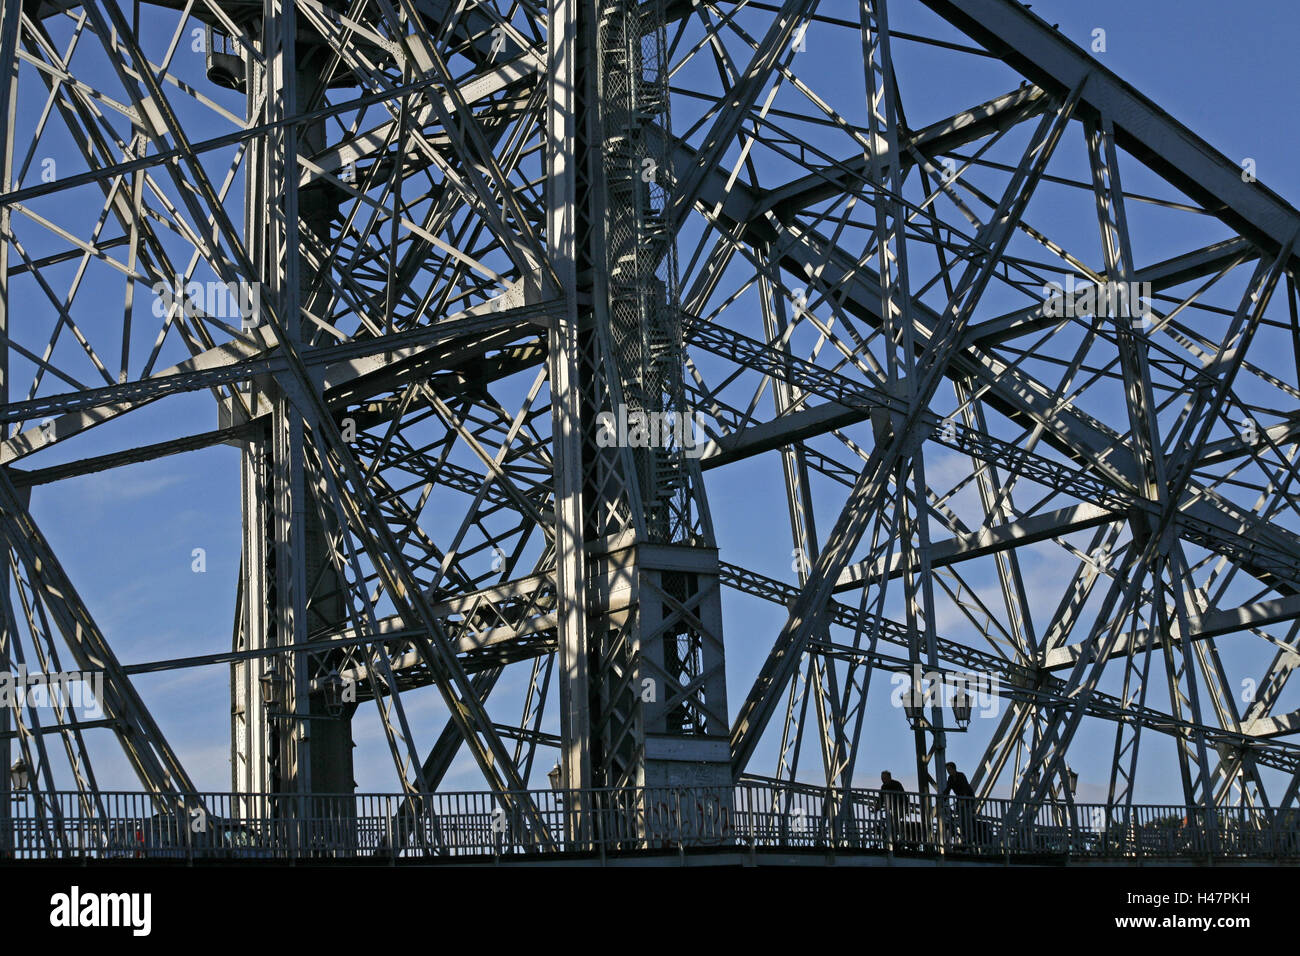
pixel 751 817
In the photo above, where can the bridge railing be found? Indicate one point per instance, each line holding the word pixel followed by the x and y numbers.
pixel 752 816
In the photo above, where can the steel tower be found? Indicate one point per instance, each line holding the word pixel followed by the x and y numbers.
pixel 1001 361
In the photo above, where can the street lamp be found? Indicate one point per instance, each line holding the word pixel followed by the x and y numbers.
pixel 20 776
pixel 961 710
pixel 20 779
pixel 333 687
pixel 914 708
pixel 556 776
pixel 225 65
pixel 273 687
pixel 1074 781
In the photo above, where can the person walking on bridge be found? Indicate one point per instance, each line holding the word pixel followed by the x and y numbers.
pixel 964 793
pixel 894 801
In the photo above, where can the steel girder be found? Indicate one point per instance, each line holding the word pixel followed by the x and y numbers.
pixel 446 304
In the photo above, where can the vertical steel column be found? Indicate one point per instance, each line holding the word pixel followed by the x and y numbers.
pixel 9 25
pixel 287 568
pixel 653 706
pixel 564 96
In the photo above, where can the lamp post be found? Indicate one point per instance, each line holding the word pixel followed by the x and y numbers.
pixel 20 780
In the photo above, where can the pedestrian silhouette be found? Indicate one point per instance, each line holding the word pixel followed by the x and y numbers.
pixel 964 793
pixel 894 800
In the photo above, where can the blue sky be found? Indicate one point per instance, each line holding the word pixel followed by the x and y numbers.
pixel 126 537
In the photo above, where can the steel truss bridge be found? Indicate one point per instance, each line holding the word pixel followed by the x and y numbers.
pixel 461 232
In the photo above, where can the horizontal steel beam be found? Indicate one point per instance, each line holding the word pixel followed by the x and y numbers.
pixel 1039 527
pixel 238 361
pixel 241 361
pixel 1210 624
pixel 1162 275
